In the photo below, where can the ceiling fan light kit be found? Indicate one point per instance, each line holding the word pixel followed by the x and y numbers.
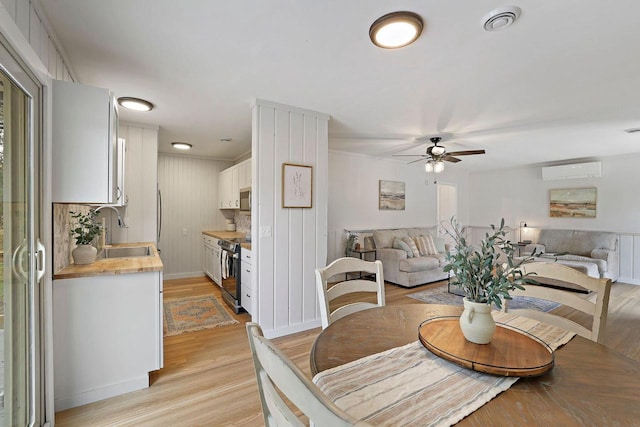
pixel 395 30
pixel 436 155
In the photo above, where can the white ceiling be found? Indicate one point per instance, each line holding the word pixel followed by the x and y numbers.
pixel 561 83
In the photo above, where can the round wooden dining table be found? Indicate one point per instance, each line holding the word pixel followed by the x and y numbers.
pixel 590 384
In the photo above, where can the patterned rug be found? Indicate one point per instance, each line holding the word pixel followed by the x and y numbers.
pixel 440 295
pixel 194 314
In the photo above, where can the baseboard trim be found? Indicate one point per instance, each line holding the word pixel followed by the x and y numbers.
pixel 183 275
pixel 292 329
pixel 79 399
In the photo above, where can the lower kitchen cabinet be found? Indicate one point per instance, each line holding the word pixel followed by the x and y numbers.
pixel 211 259
pixel 107 335
pixel 246 283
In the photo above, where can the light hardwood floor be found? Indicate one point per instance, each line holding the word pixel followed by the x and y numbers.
pixel 208 377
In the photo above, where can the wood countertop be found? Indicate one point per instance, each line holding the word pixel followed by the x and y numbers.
pixel 228 235
pixel 108 266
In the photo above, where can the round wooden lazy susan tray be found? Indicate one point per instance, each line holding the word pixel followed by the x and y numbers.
pixel 512 352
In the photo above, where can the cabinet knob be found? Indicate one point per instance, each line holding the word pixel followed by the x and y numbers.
pixel 248 271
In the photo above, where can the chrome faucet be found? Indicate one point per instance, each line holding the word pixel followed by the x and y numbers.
pixel 121 223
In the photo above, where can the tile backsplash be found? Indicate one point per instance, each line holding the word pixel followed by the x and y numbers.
pixel 243 221
pixel 63 242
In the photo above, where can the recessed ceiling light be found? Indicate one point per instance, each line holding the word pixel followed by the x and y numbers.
pixel 396 29
pixel 136 104
pixel 501 18
pixel 181 145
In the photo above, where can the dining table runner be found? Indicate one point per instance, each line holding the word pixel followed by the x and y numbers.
pixel 410 386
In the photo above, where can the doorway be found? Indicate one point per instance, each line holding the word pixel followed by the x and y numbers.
pixel 447 206
pixel 22 254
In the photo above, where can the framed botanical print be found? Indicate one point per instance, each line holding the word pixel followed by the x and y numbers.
pixel 297 184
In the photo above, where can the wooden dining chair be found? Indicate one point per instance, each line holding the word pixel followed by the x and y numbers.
pixel 347 265
pixel 277 375
pixel 552 277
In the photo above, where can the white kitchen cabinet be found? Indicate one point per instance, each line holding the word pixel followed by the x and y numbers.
pixel 107 335
pixel 121 154
pixel 244 174
pixel 228 190
pixel 211 258
pixel 246 283
pixel 85 144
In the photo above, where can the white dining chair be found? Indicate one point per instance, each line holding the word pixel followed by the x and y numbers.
pixel 552 276
pixel 348 265
pixel 275 372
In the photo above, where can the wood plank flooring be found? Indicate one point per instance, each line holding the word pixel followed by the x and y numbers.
pixel 208 377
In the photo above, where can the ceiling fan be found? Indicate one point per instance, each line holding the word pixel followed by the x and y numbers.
pixel 436 155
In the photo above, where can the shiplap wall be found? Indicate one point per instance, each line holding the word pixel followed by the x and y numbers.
pixel 141 172
pixel 288 244
pixel 189 189
pixel 35 28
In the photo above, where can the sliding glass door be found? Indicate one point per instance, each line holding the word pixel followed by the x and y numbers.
pixel 22 257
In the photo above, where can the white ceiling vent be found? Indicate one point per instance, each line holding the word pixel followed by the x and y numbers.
pixel 578 170
pixel 501 18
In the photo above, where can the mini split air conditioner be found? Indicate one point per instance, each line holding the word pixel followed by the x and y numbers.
pixel 578 170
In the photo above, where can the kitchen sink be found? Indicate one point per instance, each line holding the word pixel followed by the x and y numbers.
pixel 127 252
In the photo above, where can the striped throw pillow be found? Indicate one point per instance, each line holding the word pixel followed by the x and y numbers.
pixel 425 245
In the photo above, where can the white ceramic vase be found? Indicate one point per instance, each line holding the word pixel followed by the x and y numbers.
pixel 477 323
pixel 84 254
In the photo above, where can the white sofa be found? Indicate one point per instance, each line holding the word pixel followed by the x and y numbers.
pixel 593 252
pixel 403 270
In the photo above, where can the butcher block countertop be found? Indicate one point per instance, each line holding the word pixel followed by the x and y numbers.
pixel 228 235
pixel 103 266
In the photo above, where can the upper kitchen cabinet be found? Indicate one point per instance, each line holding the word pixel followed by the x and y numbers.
pixel 244 174
pixel 230 181
pixel 85 145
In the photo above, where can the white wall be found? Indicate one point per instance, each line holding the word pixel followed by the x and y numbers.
pixel 353 196
pixel 189 189
pixel 521 195
pixel 35 27
pixel 288 244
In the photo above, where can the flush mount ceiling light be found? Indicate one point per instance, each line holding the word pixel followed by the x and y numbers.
pixel 181 145
pixel 396 29
pixel 136 104
pixel 501 18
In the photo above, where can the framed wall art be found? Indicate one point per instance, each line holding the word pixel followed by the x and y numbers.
pixel 572 202
pixel 391 195
pixel 297 186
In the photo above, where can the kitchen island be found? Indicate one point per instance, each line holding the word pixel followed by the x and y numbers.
pixel 108 329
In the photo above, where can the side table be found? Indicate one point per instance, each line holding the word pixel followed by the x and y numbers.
pixel 361 253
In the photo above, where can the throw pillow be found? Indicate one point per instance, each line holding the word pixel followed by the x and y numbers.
pixel 439 242
pixel 425 245
pixel 399 244
pixel 412 245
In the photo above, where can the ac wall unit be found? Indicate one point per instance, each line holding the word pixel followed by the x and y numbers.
pixel 577 170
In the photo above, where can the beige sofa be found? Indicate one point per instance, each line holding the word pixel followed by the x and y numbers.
pixel 593 252
pixel 403 270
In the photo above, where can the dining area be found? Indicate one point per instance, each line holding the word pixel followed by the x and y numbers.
pixel 407 364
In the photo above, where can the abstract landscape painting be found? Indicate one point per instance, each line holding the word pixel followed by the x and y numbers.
pixel 573 202
pixel 391 195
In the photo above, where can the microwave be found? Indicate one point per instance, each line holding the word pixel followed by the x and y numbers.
pixel 245 199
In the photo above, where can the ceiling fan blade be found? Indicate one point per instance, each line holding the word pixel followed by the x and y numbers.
pixel 409 155
pixel 419 160
pixel 450 158
pixel 466 152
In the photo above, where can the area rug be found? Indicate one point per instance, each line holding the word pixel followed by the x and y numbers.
pixel 440 295
pixel 194 314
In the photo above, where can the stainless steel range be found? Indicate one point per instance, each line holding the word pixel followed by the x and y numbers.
pixel 231 283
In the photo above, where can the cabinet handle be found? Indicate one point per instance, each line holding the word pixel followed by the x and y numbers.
pixel 248 271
